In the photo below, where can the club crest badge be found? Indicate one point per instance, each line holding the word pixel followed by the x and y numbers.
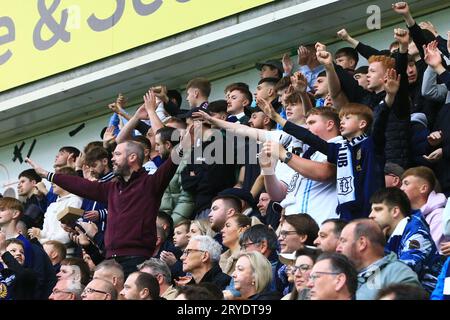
pixel 345 185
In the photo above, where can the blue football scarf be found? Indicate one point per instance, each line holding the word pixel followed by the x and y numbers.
pixel 345 175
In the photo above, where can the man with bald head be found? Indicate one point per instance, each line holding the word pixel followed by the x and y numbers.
pixel 111 271
pixel 363 241
pixel 133 200
pixel 99 289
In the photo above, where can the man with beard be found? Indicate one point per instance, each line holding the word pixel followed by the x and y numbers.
pixel 133 201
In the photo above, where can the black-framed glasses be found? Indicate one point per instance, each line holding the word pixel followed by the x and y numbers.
pixel 186 252
pixel 284 233
pixel 302 268
pixel 244 246
pixel 91 290
pixel 314 276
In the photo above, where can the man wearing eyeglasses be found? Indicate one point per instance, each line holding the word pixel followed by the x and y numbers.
pixel 201 258
pixel 99 290
pixel 67 290
pixel 333 277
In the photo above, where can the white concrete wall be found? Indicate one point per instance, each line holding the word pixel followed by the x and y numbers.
pixel 48 144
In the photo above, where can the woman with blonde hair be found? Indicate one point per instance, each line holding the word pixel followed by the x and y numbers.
pixel 200 227
pixel 252 277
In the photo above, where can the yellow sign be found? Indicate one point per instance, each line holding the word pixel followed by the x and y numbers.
pixel 39 38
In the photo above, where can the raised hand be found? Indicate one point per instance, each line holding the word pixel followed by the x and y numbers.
pixel 343 35
pixel 435 138
pixel 391 82
pixel 267 108
pixel 161 93
pixel 427 25
pixel 412 49
pixel 288 65
pixel 109 134
pixel 401 8
pixel 39 170
pixel 150 101
pixel 141 113
pixel 303 55
pixel 320 47
pixel 432 54
pixel 80 161
pixel 324 57
pixel 402 36
pixel 114 108
pixel 121 101
pixel 299 82
pixel 268 158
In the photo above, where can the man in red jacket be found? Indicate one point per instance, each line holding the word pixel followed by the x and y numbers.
pixel 133 201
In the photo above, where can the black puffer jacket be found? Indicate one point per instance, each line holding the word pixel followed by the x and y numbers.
pixel 397 147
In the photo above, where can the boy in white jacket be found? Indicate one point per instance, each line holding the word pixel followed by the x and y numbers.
pixel 52 229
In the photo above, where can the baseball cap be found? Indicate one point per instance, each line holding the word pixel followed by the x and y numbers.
pixel 240 194
pixel 273 63
pixel 393 168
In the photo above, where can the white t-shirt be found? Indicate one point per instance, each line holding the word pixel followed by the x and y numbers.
pixel 316 198
pixel 52 229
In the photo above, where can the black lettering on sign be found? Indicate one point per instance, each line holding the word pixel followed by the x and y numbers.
pixel 31 148
pixel 18 152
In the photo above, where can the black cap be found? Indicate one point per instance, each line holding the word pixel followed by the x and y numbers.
pixel 393 168
pixel 238 193
pixel 272 63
